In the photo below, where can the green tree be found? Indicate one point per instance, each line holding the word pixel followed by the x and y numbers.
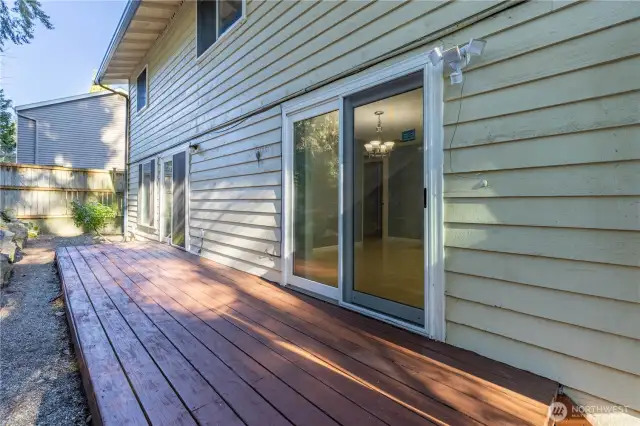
pixel 7 131
pixel 18 23
pixel 94 87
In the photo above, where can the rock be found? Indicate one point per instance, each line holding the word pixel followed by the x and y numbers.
pixel 7 246
pixel 87 420
pixel 8 215
pixel 21 233
pixel 59 314
pixel 5 270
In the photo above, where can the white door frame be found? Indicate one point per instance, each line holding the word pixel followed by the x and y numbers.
pixel 162 158
pixel 332 98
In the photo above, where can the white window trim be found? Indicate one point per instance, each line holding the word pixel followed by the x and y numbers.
pixel 146 83
pixel 224 35
pixel 329 97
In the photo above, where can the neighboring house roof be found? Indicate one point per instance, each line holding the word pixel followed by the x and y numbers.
pixel 142 22
pixel 62 100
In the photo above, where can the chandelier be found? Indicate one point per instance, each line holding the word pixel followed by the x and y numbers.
pixel 377 148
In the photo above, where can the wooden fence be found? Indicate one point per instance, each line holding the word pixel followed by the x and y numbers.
pixel 41 193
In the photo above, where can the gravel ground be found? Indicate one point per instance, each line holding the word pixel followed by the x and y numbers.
pixel 39 378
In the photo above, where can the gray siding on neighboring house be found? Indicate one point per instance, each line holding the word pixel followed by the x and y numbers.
pixel 26 140
pixel 85 133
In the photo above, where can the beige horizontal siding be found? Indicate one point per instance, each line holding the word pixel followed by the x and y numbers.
pixel 596 279
pixel 282 47
pixel 236 196
pixel 256 64
pixel 574 373
pixel 621 213
pixel 542 209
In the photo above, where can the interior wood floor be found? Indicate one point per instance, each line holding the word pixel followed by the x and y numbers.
pixel 168 338
pixel 392 269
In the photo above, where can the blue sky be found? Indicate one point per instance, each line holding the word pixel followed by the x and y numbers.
pixel 60 62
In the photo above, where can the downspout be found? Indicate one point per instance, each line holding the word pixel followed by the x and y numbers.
pixel 125 209
pixel 35 142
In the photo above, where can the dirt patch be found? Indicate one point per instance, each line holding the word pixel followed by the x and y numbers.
pixel 39 377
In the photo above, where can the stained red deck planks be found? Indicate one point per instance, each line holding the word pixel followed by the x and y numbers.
pixel 111 398
pixel 410 374
pixel 224 347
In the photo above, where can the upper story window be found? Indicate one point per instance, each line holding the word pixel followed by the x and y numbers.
pixel 142 87
pixel 214 19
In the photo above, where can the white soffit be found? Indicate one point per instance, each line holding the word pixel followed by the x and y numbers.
pixel 142 22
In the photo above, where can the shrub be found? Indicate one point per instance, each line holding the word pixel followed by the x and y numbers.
pixel 33 230
pixel 92 216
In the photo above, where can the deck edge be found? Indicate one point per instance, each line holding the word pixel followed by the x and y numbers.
pixel 87 384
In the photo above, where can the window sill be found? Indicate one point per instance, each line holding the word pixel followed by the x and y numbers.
pixel 207 53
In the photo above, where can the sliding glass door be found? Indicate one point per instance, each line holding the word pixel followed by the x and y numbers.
pixel 384 211
pixel 173 199
pixel 312 213
pixel 362 201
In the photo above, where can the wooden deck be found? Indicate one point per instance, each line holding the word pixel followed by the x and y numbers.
pixel 167 338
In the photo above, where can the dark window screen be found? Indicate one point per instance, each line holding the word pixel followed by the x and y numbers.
pixel 179 210
pixel 146 178
pixel 141 89
pixel 206 24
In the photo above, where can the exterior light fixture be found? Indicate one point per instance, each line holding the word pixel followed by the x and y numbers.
pixel 457 57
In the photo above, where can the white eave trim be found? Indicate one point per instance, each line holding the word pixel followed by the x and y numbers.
pixel 125 20
pixel 63 100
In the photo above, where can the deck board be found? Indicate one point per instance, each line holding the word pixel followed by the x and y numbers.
pixel 283 398
pixel 223 347
pixel 366 351
pixel 197 394
pixel 112 399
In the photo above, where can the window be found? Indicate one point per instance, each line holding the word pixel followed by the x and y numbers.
pixel 146 186
pixel 214 19
pixel 141 89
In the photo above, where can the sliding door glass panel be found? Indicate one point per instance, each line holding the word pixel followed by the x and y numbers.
pixel 388 253
pixel 315 198
pixel 179 202
pixel 167 187
pixel 145 208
